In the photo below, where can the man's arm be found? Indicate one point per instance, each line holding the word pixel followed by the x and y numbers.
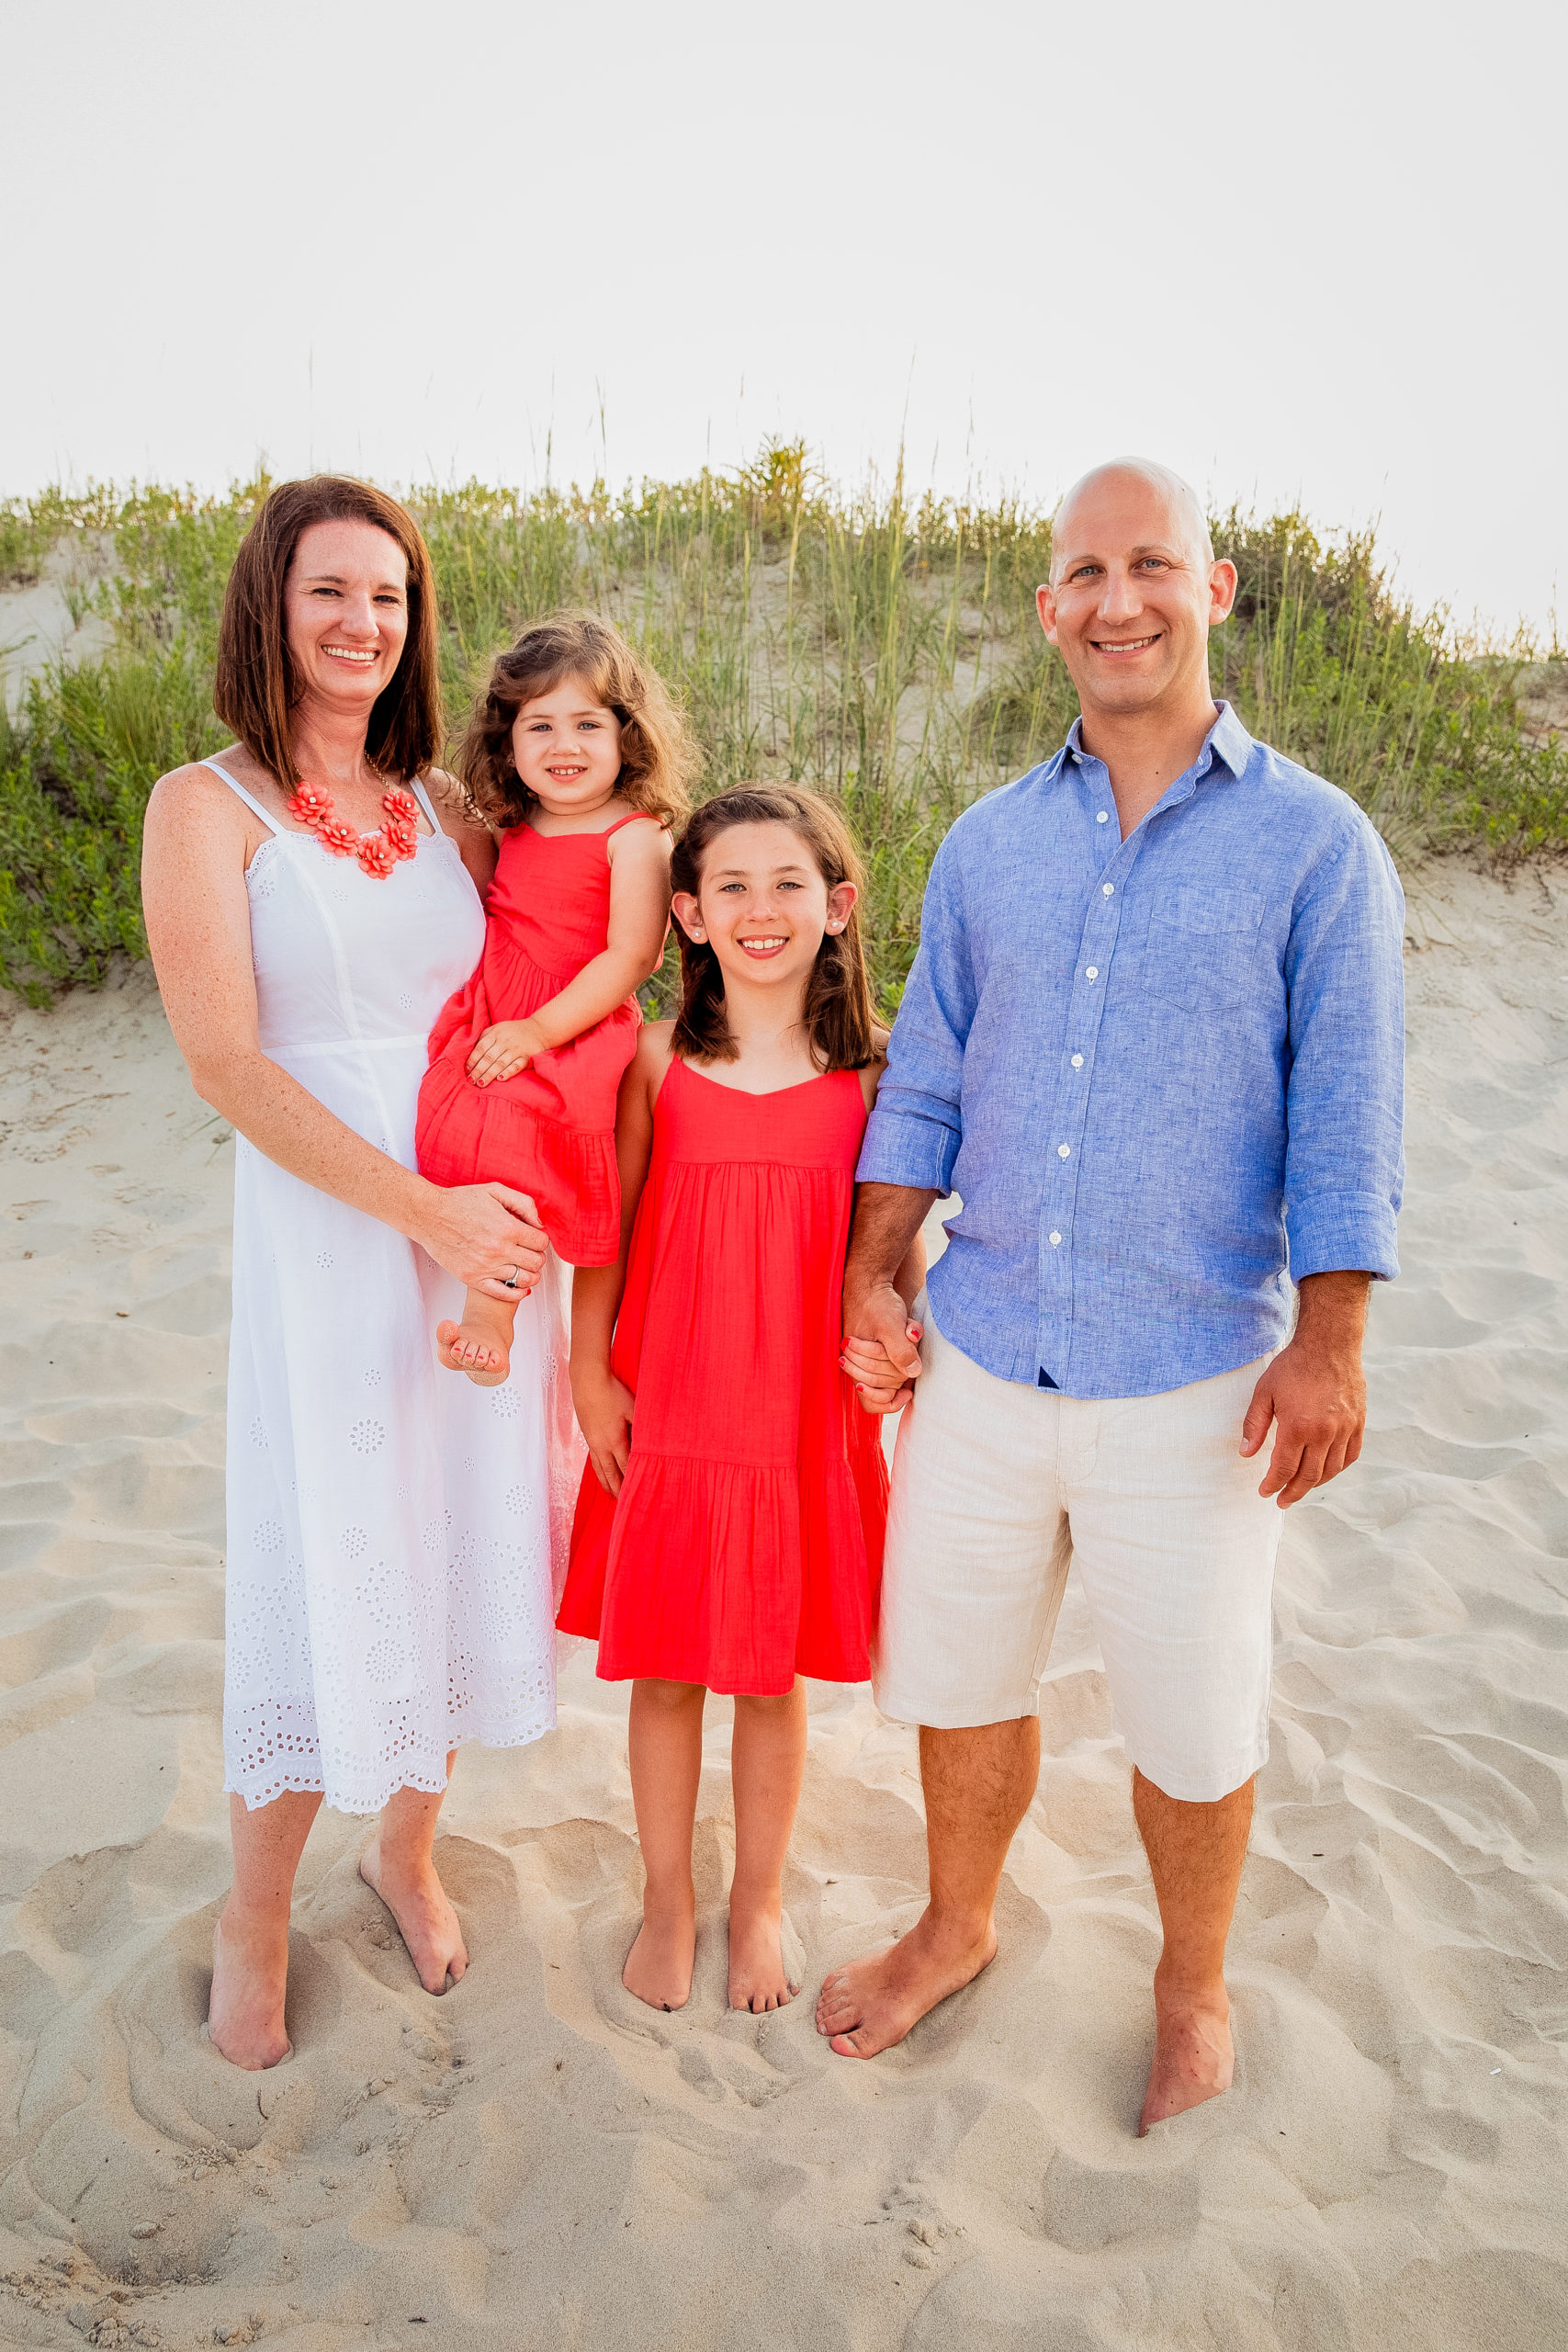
pixel 1343 1165
pixel 884 1247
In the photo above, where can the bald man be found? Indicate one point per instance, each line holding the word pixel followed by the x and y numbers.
pixel 1153 1041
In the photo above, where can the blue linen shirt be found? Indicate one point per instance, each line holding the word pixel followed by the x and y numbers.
pixel 1153 1071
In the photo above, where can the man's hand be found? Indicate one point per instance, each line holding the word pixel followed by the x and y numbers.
pixel 503 1050
pixel 1313 1391
pixel 881 1352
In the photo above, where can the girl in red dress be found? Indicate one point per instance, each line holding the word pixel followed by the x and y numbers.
pixel 730 1538
pixel 578 756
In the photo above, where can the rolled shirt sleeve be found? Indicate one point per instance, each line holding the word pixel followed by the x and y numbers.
pixel 1343 1096
pixel 917 1124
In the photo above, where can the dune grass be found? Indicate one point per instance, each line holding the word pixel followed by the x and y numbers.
pixel 879 645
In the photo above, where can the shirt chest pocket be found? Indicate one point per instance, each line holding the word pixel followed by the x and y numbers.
pixel 1202 946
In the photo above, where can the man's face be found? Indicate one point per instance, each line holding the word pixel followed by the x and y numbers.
pixel 1132 595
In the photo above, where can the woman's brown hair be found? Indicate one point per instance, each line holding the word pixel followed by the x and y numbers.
pixel 839 1022
pixel 659 755
pixel 256 688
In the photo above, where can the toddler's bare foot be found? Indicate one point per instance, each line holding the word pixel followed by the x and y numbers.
pixel 425 1920
pixel 481 1344
pixel 659 1964
pixel 250 1977
pixel 758 1979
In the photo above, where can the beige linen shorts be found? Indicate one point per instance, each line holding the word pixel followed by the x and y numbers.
pixel 997 1488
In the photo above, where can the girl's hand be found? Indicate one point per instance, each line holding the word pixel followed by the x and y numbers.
pixel 605 1407
pixel 487 1235
pixel 503 1050
pixel 880 1387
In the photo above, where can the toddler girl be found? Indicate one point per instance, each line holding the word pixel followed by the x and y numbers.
pixel 577 753
pixel 731 1539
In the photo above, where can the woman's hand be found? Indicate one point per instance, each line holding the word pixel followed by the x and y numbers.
pixel 503 1050
pixel 487 1235
pixel 605 1407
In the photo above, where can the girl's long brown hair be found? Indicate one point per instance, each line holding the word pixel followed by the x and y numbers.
pixel 256 688
pixel 659 755
pixel 839 1022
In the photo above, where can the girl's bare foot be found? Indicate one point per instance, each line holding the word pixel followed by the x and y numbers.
pixel 758 1979
pixel 425 1920
pixel 250 1977
pixel 463 1348
pixel 659 1964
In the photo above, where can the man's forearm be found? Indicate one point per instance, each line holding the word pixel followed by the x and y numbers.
pixel 1332 1309
pixel 887 1219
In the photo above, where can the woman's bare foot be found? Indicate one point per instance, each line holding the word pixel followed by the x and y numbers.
pixel 758 1980
pixel 1194 2056
pixel 425 1920
pixel 250 1978
pixel 872 2004
pixel 659 1964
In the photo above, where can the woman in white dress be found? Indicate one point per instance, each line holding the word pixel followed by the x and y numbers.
pixel 390 1587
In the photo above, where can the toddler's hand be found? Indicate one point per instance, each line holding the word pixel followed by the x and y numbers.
pixel 503 1050
pixel 605 1407
pixel 879 1385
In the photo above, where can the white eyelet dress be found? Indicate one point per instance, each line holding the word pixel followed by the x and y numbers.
pixel 391 1562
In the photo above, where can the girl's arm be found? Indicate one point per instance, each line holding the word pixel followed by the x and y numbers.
pixel 198 928
pixel 603 1404
pixel 640 919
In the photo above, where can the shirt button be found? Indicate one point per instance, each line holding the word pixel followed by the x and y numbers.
pixel 1055 1241
pixel 1103 817
pixel 1063 1151
pixel 1077 1061
pixel 1093 973
pixel 1108 889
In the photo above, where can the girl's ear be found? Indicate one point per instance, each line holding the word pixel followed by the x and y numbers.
pixel 688 914
pixel 841 905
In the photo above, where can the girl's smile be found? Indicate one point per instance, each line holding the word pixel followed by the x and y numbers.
pixel 567 748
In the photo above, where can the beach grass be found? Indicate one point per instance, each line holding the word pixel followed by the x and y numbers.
pixel 878 644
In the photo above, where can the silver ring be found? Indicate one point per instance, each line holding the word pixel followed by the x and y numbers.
pixel 509 1281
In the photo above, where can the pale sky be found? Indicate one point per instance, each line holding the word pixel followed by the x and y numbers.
pixel 1303 254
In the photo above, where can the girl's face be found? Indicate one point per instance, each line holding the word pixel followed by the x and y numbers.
pixel 567 749
pixel 346 614
pixel 763 905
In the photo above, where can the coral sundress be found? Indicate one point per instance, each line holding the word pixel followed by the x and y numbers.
pixel 745 1546
pixel 550 1131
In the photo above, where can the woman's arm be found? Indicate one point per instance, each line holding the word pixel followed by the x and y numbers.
pixel 640 919
pixel 604 1403
pixel 198 928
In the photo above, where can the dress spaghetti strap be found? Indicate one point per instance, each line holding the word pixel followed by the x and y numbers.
pixel 254 804
pixel 638 817
pixel 436 827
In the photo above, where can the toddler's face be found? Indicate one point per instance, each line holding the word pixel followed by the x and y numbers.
pixel 567 749
pixel 763 904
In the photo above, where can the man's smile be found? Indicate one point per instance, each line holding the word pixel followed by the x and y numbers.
pixel 1117 648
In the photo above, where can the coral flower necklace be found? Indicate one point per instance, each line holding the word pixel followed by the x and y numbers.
pixel 376 853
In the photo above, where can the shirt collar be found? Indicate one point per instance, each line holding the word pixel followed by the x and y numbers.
pixel 1227 740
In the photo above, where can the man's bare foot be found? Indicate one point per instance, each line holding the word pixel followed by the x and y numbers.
pixel 659 1964
pixel 466 1347
pixel 425 1920
pixel 873 2003
pixel 250 1977
pixel 1194 2056
pixel 758 1979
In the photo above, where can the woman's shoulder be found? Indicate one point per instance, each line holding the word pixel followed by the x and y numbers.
pixel 194 796
pixel 459 812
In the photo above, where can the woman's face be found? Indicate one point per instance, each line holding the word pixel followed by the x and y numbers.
pixel 567 747
pixel 346 614
pixel 763 905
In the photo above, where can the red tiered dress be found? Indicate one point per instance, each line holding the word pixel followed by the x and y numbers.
pixel 550 1131
pixel 745 1546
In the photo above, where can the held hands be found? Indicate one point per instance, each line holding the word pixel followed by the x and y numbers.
pixel 881 1350
pixel 486 1234
pixel 503 1050
pixel 605 1407
pixel 1313 1391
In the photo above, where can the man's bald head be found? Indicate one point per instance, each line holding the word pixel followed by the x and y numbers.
pixel 1176 512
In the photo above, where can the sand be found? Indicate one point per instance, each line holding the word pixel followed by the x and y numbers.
pixel 535 2160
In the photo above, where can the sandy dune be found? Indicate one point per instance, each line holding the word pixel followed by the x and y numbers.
pixel 537 2161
